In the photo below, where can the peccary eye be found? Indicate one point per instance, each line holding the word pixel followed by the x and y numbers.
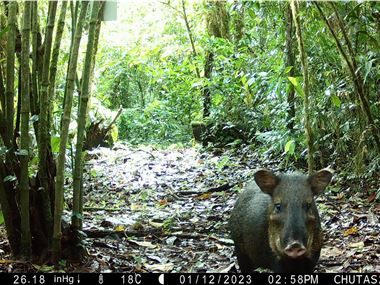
pixel 278 207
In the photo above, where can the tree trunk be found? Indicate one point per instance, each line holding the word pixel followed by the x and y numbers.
pixel 65 122
pixel 34 77
pixel 305 71
pixel 44 148
pixel 238 22
pixel 189 33
pixel 217 21
pixel 54 61
pixel 82 112
pixel 24 151
pixel 290 62
pixel 11 46
pixel 206 93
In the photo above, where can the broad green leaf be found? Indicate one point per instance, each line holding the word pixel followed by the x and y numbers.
pixel 297 86
pixel 1 218
pixel 336 101
pixel 290 147
pixel 244 81
pixel 55 144
pixel 115 133
pixel 93 173
pixel 288 69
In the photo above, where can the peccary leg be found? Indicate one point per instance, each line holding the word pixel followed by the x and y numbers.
pixel 244 261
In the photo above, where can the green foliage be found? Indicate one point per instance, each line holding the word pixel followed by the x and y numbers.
pixel 157 85
pixel 156 124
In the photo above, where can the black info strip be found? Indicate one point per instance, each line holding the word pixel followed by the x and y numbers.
pixel 187 279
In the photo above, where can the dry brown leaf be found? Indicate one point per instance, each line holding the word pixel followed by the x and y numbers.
pixel 350 231
pixel 163 202
pixel 204 196
pixel 340 196
pixel 371 197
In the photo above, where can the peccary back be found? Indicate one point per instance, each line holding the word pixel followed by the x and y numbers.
pixel 275 222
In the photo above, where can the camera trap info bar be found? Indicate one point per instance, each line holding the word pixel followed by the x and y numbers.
pixel 189 279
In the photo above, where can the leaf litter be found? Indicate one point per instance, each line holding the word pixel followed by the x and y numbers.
pixel 154 210
pixel 175 205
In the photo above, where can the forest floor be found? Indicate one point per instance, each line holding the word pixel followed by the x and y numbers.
pixel 151 210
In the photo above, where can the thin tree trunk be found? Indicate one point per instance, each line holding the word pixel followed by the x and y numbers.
pixel 16 132
pixel 43 136
pixel 305 71
pixel 206 93
pixel 82 112
pixel 142 94
pixel 11 46
pixel 65 122
pixel 290 62
pixel 24 151
pixel 34 77
pixel 54 60
pixel 44 147
pixel 239 21
pixel 190 35
pixel 3 104
pixel 218 26
pixel 74 15
pixel 96 44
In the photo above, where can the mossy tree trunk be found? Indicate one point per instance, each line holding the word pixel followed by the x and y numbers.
pixel 11 47
pixel 81 121
pixel 65 122
pixel 23 152
pixel 44 147
pixel 290 63
pixel 54 60
pixel 217 21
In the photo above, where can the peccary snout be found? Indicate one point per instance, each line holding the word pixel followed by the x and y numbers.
pixel 295 249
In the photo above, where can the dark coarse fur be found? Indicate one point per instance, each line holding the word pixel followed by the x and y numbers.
pixel 260 232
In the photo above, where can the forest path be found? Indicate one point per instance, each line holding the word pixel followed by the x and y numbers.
pixel 151 210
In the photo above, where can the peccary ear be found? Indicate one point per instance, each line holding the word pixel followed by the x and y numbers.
pixel 266 180
pixel 320 180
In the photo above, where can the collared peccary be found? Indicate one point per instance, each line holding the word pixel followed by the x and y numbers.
pixel 275 223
